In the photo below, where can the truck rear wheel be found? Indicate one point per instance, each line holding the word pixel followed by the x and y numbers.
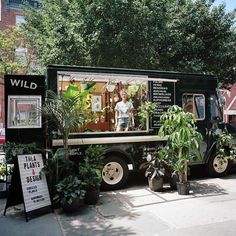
pixel 217 167
pixel 114 173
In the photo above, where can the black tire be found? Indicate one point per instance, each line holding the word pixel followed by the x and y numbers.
pixel 217 168
pixel 115 173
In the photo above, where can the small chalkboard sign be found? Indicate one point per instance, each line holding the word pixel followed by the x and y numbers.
pixel 28 185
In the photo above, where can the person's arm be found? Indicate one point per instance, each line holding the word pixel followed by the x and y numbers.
pixel 116 118
pixel 132 115
pixel 116 115
pixel 132 118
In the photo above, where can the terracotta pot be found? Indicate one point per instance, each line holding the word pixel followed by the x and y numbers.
pixel 92 197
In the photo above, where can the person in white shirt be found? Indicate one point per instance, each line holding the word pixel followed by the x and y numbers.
pixel 124 117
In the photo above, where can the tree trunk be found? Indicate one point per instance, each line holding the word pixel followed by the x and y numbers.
pixel 65 144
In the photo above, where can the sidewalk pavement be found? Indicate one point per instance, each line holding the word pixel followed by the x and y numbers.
pixel 210 209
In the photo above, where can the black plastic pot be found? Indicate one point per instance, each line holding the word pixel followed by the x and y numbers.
pixel 183 188
pixel 92 197
pixel 74 206
pixel 173 179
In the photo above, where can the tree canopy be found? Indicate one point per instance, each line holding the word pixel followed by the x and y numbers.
pixel 11 60
pixel 175 35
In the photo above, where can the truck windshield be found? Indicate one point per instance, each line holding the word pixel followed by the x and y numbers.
pixel 215 108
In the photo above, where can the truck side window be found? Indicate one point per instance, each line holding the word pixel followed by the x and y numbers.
pixel 215 112
pixel 194 103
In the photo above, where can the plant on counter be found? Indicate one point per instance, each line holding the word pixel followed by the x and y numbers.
pixel 144 111
pixel 182 138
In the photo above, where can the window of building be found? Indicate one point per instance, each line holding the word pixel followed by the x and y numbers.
pixel 194 103
pixel 23 112
pixel 19 19
pixel 20 54
pixel 0 10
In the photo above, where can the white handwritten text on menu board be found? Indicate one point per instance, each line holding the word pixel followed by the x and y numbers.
pixel 162 93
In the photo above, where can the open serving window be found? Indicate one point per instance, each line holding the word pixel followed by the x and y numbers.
pixel 105 95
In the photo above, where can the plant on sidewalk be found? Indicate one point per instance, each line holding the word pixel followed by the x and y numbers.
pixel 91 172
pixel 155 173
pixel 70 193
pixel 224 149
pixel 182 139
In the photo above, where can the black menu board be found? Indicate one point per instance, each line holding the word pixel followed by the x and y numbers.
pixel 162 93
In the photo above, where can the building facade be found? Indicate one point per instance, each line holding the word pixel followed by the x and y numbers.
pixel 10 14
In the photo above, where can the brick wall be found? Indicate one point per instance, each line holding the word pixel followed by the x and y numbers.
pixel 8 16
pixel 2 107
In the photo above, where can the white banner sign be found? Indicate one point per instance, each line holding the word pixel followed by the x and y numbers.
pixel 34 184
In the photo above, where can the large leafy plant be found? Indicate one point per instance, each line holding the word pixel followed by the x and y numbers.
pixel 182 139
pixel 156 169
pixel 69 189
pixel 90 170
pixel 13 149
pixel 91 176
pixel 144 111
pixel 67 114
pixel 224 147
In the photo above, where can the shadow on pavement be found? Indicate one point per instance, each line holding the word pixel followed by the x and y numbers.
pixel 94 220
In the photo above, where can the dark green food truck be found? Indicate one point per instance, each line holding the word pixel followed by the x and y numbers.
pixel 127 150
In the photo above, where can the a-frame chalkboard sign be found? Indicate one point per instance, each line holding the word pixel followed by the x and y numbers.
pixel 28 185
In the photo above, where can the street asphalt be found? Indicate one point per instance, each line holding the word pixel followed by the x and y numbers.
pixel 209 209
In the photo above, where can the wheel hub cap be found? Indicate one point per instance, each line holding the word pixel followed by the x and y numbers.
pixel 220 165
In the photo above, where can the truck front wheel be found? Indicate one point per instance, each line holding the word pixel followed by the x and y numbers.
pixel 218 167
pixel 114 173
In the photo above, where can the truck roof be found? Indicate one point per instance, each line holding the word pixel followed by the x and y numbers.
pixel 151 73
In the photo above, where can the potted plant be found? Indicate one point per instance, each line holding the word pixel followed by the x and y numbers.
pixel 155 173
pixel 67 114
pixel 70 193
pixel 144 111
pixel 182 138
pixel 90 172
pixel 224 152
pixel 92 179
pixel 56 168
